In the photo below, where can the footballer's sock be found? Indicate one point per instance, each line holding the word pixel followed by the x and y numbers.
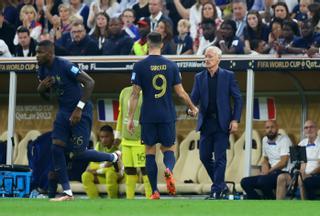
pixel 89 186
pixel 95 156
pixel 131 181
pixel 60 166
pixel 152 171
pixel 52 187
pixel 112 183
pixel 147 186
pixel 169 159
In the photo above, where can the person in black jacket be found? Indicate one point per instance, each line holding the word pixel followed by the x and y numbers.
pixel 118 42
pixel 26 45
pixel 82 44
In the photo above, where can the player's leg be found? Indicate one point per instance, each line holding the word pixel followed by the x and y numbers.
pixel 139 161
pixel 167 135
pixel 52 184
pixel 88 182
pixel 60 136
pixel 130 170
pixel 146 182
pixel 80 139
pixel 112 182
pixel 149 138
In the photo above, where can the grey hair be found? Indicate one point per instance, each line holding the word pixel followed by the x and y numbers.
pixel 216 50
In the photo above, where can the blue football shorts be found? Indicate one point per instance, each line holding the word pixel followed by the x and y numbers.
pixel 153 133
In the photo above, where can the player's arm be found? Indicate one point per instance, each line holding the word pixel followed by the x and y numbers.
pixel 44 87
pixel 185 97
pixel 134 98
pixel 281 164
pixel 118 131
pixel 88 85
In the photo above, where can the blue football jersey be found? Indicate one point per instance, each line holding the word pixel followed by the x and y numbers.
pixel 66 87
pixel 156 75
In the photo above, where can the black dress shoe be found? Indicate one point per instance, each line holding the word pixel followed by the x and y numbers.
pixel 214 196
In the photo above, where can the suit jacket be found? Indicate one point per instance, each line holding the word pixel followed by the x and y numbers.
pixel 227 87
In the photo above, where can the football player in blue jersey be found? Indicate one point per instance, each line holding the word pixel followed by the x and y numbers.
pixel 72 126
pixel 157 77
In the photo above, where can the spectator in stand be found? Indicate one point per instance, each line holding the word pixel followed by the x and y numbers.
pixel 255 29
pixel 227 40
pixel 50 8
pixel 110 7
pixel 239 8
pixel 314 14
pixel 118 42
pixel 19 7
pixel 287 37
pixel 9 10
pixel 183 41
pixel 81 9
pixel 208 12
pixel 308 43
pixel 281 11
pixel 129 27
pixel 100 33
pixel 179 9
pixel 195 16
pixel 156 14
pixel 62 23
pixel 141 9
pixel 127 4
pixel 4 50
pixel 275 34
pixel 26 44
pixel 28 17
pixel 58 51
pixel 258 47
pixel 140 47
pixel 82 45
pixel 7 32
pixel 300 11
pixel 166 31
pixel 208 37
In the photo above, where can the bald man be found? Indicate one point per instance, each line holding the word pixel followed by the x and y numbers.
pixel 275 152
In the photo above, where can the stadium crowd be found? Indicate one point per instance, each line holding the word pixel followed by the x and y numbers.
pixel 119 27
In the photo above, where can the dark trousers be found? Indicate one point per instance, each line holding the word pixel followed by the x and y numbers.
pixel 311 186
pixel 214 140
pixel 265 183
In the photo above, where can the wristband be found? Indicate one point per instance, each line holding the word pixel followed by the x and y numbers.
pixel 81 104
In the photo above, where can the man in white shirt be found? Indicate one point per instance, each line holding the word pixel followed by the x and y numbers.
pixel 309 171
pixel 275 154
pixel 155 8
pixel 4 50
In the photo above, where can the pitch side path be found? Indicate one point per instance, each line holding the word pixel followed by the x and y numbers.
pixel 168 207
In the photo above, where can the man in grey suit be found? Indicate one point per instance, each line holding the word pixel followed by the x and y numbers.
pixel 212 90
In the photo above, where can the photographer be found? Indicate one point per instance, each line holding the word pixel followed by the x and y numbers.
pixel 275 161
pixel 309 178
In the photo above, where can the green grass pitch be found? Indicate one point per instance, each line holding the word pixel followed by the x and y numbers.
pixel 166 207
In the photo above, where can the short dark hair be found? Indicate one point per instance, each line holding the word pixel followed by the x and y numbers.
pixel 47 44
pixel 106 128
pixel 154 37
pixel 22 29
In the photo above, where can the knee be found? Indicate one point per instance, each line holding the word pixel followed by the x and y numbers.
pixel 282 180
pixel 244 182
pixel 87 177
pixel 130 170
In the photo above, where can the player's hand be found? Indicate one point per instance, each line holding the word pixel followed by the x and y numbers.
pixel 233 127
pixel 47 82
pixel 130 126
pixel 193 112
pixel 75 116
